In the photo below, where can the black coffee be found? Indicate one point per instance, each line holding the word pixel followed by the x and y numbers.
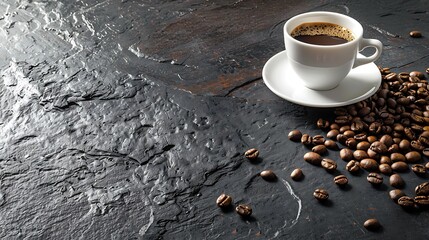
pixel 321 33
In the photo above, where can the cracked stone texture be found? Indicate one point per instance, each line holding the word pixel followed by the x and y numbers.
pixel 126 120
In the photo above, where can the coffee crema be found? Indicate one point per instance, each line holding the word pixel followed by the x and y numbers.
pixel 322 33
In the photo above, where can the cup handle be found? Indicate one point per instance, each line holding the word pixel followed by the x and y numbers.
pixel 369 43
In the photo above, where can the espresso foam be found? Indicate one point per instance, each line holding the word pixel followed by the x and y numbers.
pixel 322 28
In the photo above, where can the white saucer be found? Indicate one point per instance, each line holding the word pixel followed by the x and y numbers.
pixel 359 84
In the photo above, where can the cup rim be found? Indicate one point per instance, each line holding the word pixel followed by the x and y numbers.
pixel 356 37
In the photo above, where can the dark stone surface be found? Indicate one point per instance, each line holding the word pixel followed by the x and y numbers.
pixel 127 119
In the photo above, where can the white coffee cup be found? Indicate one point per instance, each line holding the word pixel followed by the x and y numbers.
pixel 323 67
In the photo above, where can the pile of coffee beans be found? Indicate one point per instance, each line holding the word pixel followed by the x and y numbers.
pixel 384 135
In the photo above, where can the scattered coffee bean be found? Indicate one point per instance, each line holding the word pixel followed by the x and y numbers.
pixel 341 180
pixel 306 139
pixel 415 34
pixel 353 166
pixel 313 158
pixel 427 165
pixel 295 135
pixel 413 156
pixel 329 164
pixel 346 154
pixel 385 169
pixel 318 140
pixel 297 174
pixel 369 164
pixel 251 154
pixel 395 194
pixel 374 178
pixel 396 181
pixel 320 149
pixel 322 123
pixel 360 154
pixel 422 200
pixel 268 175
pixel 372 224
pixel 321 194
pixel 224 200
pixel 332 134
pixel 406 202
pixel 397 157
pixel 422 189
pixel 331 144
pixel 419 169
pixel 418 74
pixel 243 210
pixel 385 160
pixel 399 166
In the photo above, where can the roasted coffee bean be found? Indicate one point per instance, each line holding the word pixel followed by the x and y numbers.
pixel 351 143
pixel 224 200
pixel 395 194
pixel 397 157
pixel 386 160
pixel 406 202
pixel 415 34
pixel 374 178
pixel 349 133
pixel 306 139
pixel 409 133
pixel 393 148
pixel 334 126
pixel 396 181
pixel 419 169
pixel 329 164
pixel 268 175
pixel 427 165
pixel 341 180
pixel 418 74
pixel 251 154
pixel 416 145
pixel 413 156
pixel 387 140
pixel 364 145
pixel 313 158
pixel 369 164
pixel 346 154
pixel 404 145
pixel 371 139
pixel 358 126
pixel 422 189
pixel 344 128
pixel 318 140
pixel 243 210
pixel 360 154
pixel 331 145
pixel 378 147
pixel 343 120
pixel 372 224
pixel 322 123
pixel 320 149
pixel 373 155
pixel 332 134
pixel 385 169
pixel 321 194
pixel 375 128
pixel 361 137
pixel 399 166
pixel 424 138
pixel 422 200
pixel 297 174
pixel 340 111
pixel 341 138
pixel 426 152
pixel 353 166
pixel 295 135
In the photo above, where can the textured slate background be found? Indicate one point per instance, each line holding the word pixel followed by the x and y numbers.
pixel 126 120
